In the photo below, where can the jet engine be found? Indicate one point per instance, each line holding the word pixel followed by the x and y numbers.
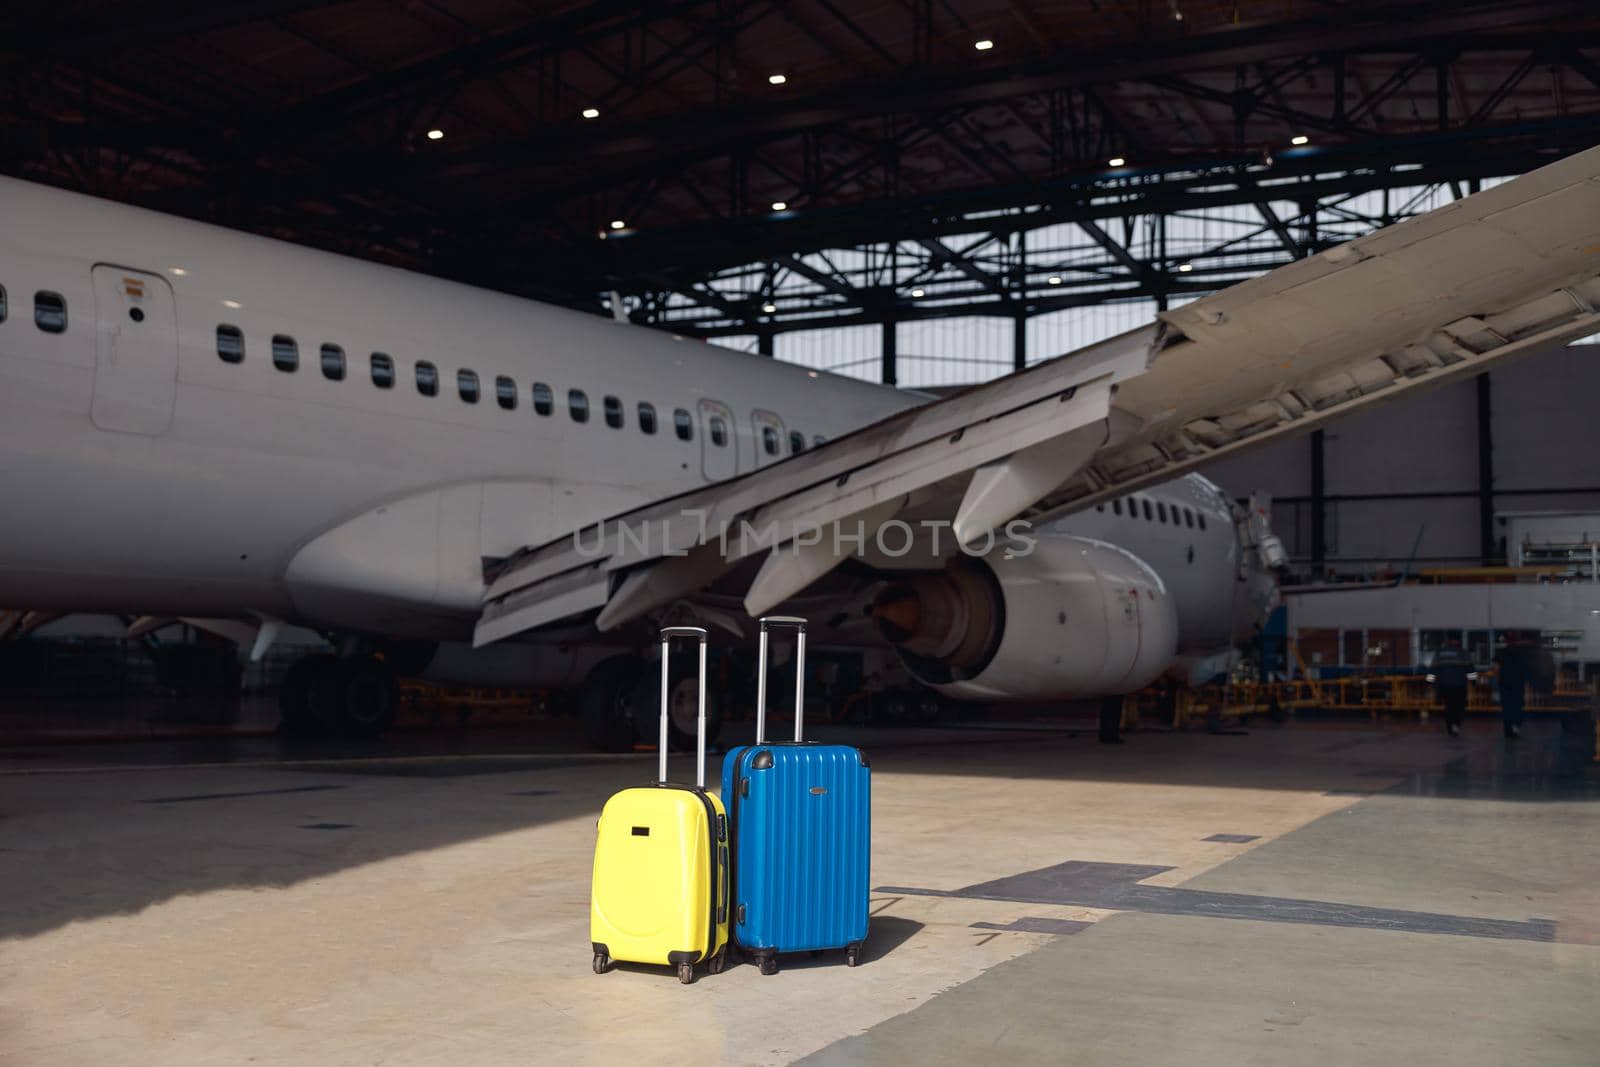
pixel 1072 618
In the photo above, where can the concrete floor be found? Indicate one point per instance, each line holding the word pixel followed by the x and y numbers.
pixel 1306 894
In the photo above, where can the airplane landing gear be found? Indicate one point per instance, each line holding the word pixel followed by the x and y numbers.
pixel 325 694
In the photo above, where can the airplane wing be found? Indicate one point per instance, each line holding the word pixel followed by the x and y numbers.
pixel 1503 272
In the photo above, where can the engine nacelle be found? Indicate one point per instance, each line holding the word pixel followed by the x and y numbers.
pixel 1073 618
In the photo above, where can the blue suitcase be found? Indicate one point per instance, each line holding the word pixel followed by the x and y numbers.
pixel 802 833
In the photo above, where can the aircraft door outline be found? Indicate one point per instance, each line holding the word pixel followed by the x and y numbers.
pixel 718 462
pixel 136 351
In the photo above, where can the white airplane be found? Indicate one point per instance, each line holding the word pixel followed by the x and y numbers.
pixel 242 433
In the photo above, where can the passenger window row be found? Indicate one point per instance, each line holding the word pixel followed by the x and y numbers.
pixel 49 310
pixel 286 358
pixel 1176 515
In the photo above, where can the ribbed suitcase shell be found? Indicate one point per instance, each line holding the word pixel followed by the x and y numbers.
pixel 660 887
pixel 802 836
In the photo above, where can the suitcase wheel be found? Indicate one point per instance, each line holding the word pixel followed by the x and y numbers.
pixel 686 973
pixel 769 964
pixel 852 955
pixel 719 961
pixel 602 963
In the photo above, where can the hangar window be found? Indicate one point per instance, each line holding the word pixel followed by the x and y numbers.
pixel 333 363
pixel 719 431
pixel 285 353
pixel 1116 506
pixel 769 440
pixel 797 442
pixel 467 385
pixel 427 378
pixel 647 418
pixel 1149 515
pixel 544 401
pixel 578 404
pixel 50 311
pixel 382 371
pixel 1161 510
pixel 230 344
pixel 613 412
pixel 505 393
pixel 1188 518
pixel 1201 518
pixel 683 424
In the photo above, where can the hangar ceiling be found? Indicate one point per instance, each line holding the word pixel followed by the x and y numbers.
pixel 567 150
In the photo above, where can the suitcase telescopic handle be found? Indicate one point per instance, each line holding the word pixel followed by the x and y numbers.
pixel 768 623
pixel 699 634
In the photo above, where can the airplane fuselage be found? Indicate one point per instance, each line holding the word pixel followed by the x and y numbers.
pixel 198 422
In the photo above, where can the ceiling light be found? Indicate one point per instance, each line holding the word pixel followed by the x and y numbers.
pixel 769 308
pixel 1116 161
pixel 617 224
pixel 916 294
pixel 1300 139
pixel 1054 279
pixel 779 205
pixel 178 272
pixel 234 304
pixel 777 79
pixel 813 374
pixel 1185 268
pixel 590 112
pixel 983 45
pixel 435 135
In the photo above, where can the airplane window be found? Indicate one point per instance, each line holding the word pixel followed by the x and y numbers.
pixel 382 371
pixel 719 431
pixel 613 412
pixel 1202 518
pixel 544 401
pixel 647 418
pixel 1161 510
pixel 50 311
pixel 769 440
pixel 797 442
pixel 427 378
pixel 2 303
pixel 505 392
pixel 230 344
pixel 1188 518
pixel 333 363
pixel 285 353
pixel 467 385
pixel 578 404
pixel 1149 516
pixel 683 424
pixel 1116 506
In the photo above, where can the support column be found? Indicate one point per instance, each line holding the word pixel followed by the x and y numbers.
pixel 1487 548
pixel 764 343
pixel 890 359
pixel 1019 341
pixel 1319 509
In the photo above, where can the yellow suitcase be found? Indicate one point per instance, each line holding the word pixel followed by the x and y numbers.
pixel 660 891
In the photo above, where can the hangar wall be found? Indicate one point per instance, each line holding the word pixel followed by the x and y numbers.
pixel 1412 467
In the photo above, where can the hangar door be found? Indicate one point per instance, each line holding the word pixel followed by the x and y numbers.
pixel 136 351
